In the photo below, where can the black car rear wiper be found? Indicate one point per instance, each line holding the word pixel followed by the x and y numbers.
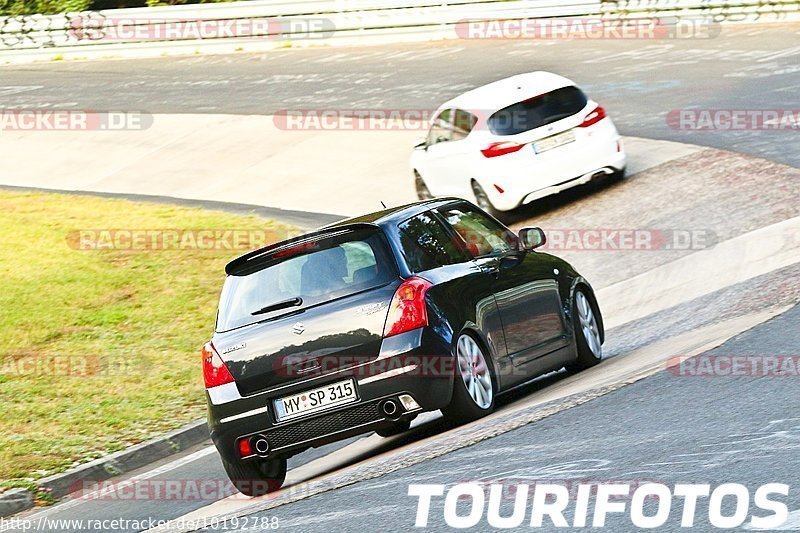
pixel 291 302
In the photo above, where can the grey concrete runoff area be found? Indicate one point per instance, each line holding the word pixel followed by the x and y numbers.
pixel 214 142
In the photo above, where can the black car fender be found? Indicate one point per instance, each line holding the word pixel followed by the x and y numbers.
pixel 579 281
pixel 475 332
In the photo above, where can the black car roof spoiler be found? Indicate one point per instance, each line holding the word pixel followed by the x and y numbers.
pixel 241 262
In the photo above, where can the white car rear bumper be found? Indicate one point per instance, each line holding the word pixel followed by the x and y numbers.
pixel 580 180
pixel 526 176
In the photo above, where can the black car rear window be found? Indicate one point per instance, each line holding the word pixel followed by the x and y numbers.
pixel 537 112
pixel 307 274
pixel 426 244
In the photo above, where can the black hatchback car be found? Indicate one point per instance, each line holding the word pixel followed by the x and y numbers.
pixel 364 324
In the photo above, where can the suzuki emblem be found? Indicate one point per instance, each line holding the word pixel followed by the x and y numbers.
pixel 233 348
pixel 299 328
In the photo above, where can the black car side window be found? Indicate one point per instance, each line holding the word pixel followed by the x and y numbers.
pixel 482 234
pixel 427 244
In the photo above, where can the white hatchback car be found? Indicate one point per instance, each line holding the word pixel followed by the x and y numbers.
pixel 516 140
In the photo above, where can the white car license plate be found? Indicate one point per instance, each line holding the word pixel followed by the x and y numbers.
pixel 548 143
pixel 312 401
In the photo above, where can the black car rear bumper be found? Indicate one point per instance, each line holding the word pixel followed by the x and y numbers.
pixel 417 363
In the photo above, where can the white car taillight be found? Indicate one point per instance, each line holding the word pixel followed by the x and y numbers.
pixel 595 115
pixel 501 148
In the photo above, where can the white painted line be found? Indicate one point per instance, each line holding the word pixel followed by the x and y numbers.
pixel 116 486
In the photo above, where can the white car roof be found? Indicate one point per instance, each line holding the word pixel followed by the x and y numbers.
pixel 508 91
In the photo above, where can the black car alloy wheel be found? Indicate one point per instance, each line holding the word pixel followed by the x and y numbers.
pixel 473 385
pixel 587 332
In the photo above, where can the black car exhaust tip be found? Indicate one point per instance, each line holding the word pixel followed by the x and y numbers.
pixel 261 445
pixel 390 409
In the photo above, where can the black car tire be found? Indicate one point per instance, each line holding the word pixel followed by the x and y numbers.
pixel 395 428
pixel 462 407
pixel 423 193
pixel 581 322
pixel 256 477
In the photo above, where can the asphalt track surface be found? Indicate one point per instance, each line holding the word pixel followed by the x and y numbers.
pixel 638 81
pixel 666 429
pixel 644 431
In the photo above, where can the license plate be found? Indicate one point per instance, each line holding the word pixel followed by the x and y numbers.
pixel 315 400
pixel 548 143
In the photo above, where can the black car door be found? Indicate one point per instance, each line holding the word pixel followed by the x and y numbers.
pixel 525 289
pixel 463 292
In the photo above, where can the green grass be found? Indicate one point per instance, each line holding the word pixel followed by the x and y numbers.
pixel 100 349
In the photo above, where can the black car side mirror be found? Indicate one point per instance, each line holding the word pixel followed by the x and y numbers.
pixel 531 238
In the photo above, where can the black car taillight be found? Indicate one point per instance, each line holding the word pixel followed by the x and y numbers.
pixel 408 309
pixel 215 373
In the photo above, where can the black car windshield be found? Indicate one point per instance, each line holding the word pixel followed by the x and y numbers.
pixel 537 112
pixel 308 274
